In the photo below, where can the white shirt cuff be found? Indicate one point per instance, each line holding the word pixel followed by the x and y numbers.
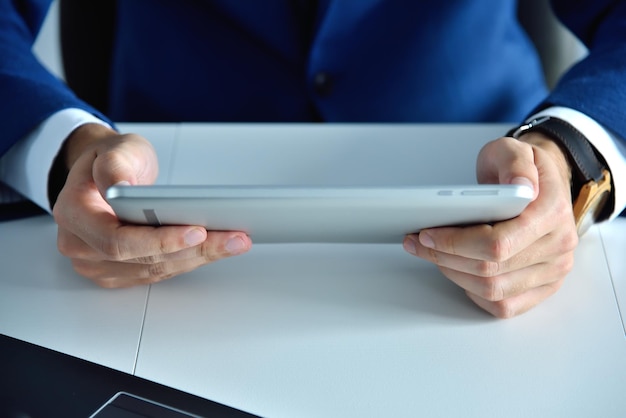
pixel 25 167
pixel 612 149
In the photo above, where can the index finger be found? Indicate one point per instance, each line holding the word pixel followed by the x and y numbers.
pixel 502 240
pixel 127 242
pixel 497 242
pixel 82 211
pixel 107 237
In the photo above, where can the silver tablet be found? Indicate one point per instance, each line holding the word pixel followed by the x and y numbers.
pixel 274 214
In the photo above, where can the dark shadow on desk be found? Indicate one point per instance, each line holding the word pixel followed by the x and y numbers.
pixel 18 210
pixel 36 382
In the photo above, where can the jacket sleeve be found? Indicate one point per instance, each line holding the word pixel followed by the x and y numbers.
pixel 28 92
pixel 596 85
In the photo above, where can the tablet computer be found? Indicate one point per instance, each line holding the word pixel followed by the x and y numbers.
pixel 282 214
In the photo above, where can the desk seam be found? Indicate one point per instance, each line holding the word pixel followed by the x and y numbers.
pixel 141 328
pixel 608 266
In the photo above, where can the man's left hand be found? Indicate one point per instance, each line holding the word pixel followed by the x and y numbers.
pixel 509 267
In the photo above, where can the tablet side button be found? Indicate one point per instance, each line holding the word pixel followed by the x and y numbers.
pixel 151 217
pixel 480 192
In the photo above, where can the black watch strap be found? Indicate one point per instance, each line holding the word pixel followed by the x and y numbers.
pixel 584 162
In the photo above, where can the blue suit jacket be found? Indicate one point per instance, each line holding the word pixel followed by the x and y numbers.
pixel 344 60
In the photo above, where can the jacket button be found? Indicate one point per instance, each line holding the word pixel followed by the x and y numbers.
pixel 322 83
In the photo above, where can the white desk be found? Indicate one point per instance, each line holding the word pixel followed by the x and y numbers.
pixel 331 330
pixel 614 242
pixel 44 302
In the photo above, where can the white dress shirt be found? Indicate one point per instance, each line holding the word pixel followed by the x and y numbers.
pixel 26 165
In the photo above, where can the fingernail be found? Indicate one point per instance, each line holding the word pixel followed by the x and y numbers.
pixel 426 240
pixel 409 245
pixel 235 245
pixel 522 181
pixel 194 237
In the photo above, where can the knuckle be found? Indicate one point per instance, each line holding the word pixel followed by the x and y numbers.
pixel 110 157
pixel 92 272
pixel 569 241
pixel 82 268
pixel 208 253
pixel 563 209
pixel 110 248
pixel 433 257
pixel 565 265
pixel 159 271
pixel 148 259
pixel 165 246
pixel 503 309
pixel 64 246
pixel 499 248
pixel 556 285
pixel 487 268
pixel 493 289
pixel 449 244
pixel 61 217
pixel 57 215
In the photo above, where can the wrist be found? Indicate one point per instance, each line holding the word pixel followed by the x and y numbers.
pixel 590 180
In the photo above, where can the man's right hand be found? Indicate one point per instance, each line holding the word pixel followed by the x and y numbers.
pixel 108 251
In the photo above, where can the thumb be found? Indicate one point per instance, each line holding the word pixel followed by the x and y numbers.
pixel 128 160
pixel 524 181
pixel 508 161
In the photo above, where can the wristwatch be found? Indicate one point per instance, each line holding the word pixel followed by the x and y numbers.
pixel 591 179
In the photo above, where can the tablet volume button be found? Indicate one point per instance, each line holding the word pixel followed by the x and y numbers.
pixel 479 192
pixel 151 217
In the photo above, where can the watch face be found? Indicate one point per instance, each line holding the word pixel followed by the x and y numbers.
pixel 585 223
pixel 591 201
pixel 591 213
